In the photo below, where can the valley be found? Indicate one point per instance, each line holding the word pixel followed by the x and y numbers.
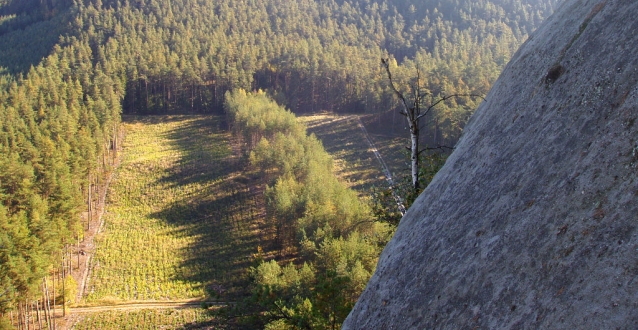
pixel 183 221
pixel 180 222
pixel 235 153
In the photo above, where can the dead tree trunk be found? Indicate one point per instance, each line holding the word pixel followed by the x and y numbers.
pixel 414 109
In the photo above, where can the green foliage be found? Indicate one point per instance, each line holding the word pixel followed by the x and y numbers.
pixel 177 224
pixel 27 39
pixel 304 194
pixel 5 323
pixel 344 140
pixel 313 212
pixel 384 204
pixel 70 291
pixel 311 55
pixel 320 294
pixel 142 319
pixel 283 291
pixel 255 117
pixel 70 68
pixel 58 121
pixel 53 136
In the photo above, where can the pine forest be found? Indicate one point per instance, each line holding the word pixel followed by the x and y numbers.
pixel 223 164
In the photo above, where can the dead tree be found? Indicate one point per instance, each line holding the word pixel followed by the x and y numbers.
pixel 414 110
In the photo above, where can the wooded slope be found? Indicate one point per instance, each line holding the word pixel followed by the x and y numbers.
pixel 72 67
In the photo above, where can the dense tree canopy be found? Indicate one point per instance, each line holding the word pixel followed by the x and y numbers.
pixel 313 55
pixel 313 213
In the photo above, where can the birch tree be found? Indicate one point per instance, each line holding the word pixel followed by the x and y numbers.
pixel 415 106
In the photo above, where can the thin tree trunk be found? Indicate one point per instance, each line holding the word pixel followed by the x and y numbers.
pixel 51 315
pixel 54 294
pixel 414 154
pixel 63 292
pixel 146 86
pixel 89 206
pixel 26 315
pixel 412 112
pixel 37 313
pixel 19 316
pixel 96 193
pixel 69 259
pixel 115 142
pixel 45 303
pixel 105 160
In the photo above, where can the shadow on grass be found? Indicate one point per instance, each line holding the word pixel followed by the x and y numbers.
pixel 218 209
pixel 343 139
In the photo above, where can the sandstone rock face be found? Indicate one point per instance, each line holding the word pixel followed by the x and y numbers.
pixel 531 224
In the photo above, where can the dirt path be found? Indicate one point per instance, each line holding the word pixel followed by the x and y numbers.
pixel 86 248
pixel 386 171
pixel 146 305
pixel 77 314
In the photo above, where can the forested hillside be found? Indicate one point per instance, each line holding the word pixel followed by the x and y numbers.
pixel 71 68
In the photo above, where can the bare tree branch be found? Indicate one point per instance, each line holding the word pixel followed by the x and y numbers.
pixel 442 148
pixel 386 65
pixel 445 98
pixel 414 110
pixel 431 148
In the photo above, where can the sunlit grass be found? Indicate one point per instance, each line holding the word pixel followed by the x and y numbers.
pixel 179 220
pixel 355 162
pixel 141 319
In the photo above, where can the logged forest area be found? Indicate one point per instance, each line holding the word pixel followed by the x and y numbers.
pixel 230 164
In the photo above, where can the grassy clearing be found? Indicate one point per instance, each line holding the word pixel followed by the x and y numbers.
pixel 343 139
pixel 184 215
pixel 143 319
pixel 181 221
pixel 394 153
pixel 355 162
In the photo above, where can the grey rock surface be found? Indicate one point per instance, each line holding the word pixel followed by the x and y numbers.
pixel 531 224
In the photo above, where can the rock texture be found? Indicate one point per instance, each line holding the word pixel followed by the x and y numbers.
pixel 531 224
